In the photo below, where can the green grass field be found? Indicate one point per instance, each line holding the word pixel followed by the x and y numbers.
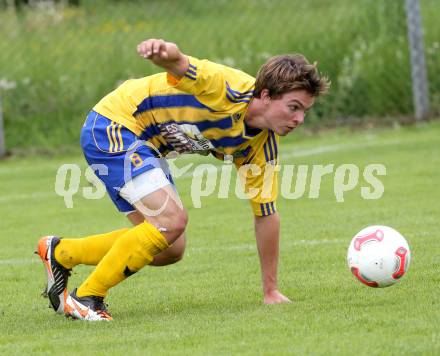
pixel 210 303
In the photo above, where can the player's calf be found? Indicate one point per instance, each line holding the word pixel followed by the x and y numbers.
pixel 171 255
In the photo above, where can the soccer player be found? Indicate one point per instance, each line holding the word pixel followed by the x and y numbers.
pixel 196 106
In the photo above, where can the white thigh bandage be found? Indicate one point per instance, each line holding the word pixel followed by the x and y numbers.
pixel 144 184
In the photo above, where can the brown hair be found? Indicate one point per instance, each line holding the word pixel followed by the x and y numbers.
pixel 285 73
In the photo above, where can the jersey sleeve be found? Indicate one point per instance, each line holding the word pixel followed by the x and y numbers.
pixel 259 175
pixel 218 86
pixel 203 78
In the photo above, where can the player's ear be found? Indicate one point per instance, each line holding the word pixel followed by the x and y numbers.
pixel 264 96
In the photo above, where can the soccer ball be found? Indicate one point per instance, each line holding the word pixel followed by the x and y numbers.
pixel 378 256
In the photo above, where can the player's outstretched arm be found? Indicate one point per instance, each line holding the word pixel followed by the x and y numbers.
pixel 267 231
pixel 164 54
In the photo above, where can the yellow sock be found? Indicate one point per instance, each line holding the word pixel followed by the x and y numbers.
pixel 88 250
pixel 132 251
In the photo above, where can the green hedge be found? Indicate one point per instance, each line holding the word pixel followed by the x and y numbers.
pixel 57 62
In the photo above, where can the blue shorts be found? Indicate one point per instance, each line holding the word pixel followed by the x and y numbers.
pixel 117 155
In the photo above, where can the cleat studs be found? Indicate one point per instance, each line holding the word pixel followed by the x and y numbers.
pixel 69 316
pixel 44 292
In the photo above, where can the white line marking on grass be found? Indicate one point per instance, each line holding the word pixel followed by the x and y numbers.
pixel 34 195
pixel 318 150
pixel 293 154
pixel 335 148
pixel 247 247
pixel 19 261
pixel 251 247
pixel 296 153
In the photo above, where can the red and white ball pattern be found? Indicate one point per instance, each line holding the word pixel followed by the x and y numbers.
pixel 378 256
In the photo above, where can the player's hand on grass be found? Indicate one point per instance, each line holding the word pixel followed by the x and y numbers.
pixel 275 297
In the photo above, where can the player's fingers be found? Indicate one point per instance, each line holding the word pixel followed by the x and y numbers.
pixel 141 49
pixel 158 46
pixel 283 299
pixel 153 47
pixel 148 47
pixel 145 48
pixel 138 49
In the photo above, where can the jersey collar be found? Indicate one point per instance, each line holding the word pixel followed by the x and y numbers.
pixel 250 132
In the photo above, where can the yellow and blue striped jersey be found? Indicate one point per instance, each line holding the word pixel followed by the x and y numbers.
pixel 202 112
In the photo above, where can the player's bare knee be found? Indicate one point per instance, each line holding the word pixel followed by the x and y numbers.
pixel 173 224
pixel 177 223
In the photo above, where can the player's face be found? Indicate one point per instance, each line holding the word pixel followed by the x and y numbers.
pixel 287 112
